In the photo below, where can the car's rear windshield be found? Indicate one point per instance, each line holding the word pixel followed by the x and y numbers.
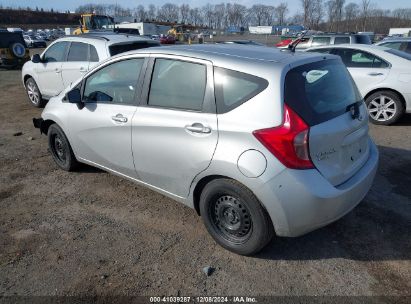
pixel 363 39
pixel 125 47
pixel 7 39
pixel 399 53
pixel 320 91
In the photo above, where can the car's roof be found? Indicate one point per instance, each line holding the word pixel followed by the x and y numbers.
pixel 109 38
pixel 395 39
pixel 224 51
pixel 378 50
pixel 364 47
pixel 258 60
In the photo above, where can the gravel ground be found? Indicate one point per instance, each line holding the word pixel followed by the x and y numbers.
pixel 92 233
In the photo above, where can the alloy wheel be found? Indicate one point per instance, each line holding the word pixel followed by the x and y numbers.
pixel 33 93
pixel 382 108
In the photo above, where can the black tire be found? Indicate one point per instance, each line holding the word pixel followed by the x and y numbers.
pixel 384 107
pixel 34 94
pixel 234 217
pixel 60 149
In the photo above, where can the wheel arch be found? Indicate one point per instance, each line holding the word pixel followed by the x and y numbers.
pixel 402 99
pixel 26 77
pixel 45 125
pixel 200 185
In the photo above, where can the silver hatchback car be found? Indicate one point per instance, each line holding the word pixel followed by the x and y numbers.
pixel 257 140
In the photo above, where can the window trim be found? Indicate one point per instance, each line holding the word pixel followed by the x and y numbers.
pixel 137 95
pixel 209 104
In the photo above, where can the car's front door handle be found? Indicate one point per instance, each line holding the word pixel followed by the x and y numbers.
pixel 375 74
pixel 57 70
pixel 119 118
pixel 198 128
pixel 83 69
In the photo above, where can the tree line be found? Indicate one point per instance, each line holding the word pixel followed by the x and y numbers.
pixel 325 15
pixel 330 15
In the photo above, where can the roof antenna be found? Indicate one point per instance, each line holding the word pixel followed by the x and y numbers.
pixel 293 46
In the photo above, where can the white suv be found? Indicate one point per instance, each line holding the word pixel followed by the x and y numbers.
pixel 68 59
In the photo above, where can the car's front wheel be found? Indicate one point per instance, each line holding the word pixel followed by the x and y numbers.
pixel 34 94
pixel 234 217
pixel 384 107
pixel 60 148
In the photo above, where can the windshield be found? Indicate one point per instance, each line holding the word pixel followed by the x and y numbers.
pixel 399 54
pixel 320 91
pixel 102 22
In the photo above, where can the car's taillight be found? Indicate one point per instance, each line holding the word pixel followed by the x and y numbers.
pixel 288 142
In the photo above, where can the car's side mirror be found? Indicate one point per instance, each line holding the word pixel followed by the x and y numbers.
pixel 36 58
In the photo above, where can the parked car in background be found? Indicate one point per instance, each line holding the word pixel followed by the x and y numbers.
pixel 257 140
pixel 382 75
pixel 167 39
pixel 401 44
pixel 68 59
pixel 33 42
pixel 13 50
pixel 328 39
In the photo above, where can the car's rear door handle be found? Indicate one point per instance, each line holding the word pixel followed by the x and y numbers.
pixel 198 128
pixel 83 69
pixel 375 74
pixel 119 118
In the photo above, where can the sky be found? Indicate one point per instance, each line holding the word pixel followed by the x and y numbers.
pixel 293 5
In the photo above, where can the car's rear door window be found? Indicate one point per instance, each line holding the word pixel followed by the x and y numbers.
pixel 78 52
pixel 320 91
pixel 177 84
pixel 341 40
pixel 93 54
pixel 233 88
pixel 359 59
pixel 321 41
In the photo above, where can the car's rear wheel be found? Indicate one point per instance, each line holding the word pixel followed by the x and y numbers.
pixel 384 107
pixel 60 148
pixel 34 94
pixel 234 217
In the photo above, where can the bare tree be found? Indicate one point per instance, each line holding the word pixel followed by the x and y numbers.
pixel 141 13
pixel 184 12
pixel 365 6
pixel 168 12
pixel 351 14
pixel 152 12
pixel 281 12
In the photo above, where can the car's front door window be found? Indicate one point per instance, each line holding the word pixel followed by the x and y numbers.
pixel 57 52
pixel 115 83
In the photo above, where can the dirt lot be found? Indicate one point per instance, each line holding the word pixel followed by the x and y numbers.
pixel 91 233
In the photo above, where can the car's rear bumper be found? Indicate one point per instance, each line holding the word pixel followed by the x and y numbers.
pixel 300 201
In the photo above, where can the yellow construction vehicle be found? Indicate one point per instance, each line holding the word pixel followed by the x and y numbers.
pixel 92 22
pixel 179 32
